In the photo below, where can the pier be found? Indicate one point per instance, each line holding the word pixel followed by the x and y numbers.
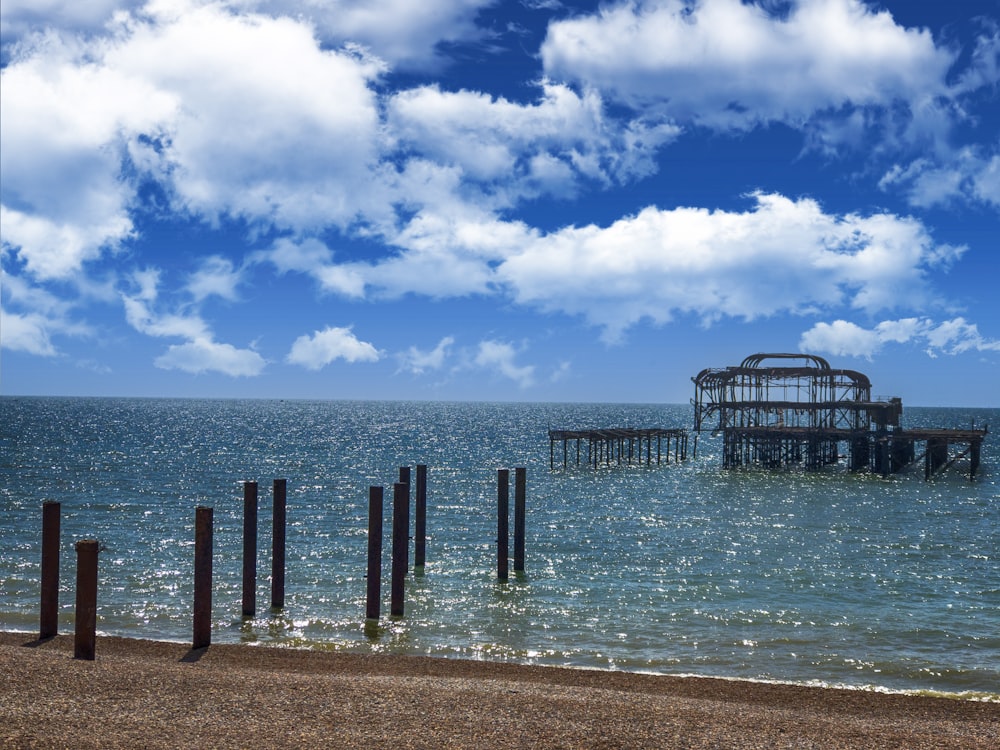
pixel 619 446
pixel 776 415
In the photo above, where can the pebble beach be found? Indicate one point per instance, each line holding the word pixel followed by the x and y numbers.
pixel 152 694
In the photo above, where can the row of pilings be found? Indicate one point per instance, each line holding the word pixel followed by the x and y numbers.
pixel 87 550
pixel 880 452
pixel 621 446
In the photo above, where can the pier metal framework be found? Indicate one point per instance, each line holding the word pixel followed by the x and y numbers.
pixel 784 409
pixel 620 445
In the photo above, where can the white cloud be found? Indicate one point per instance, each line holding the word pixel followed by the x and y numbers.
pixel 314 258
pixel 418 361
pixel 400 31
pixel 31 316
pixel 957 336
pixel 782 256
pixel 514 150
pixel 200 353
pixel 161 97
pixel 498 357
pixel 64 127
pixel 844 338
pixel 205 355
pixel 144 319
pixel 306 118
pixel 215 276
pixel 323 347
pixel 18 17
pixel 26 333
pixel 726 63
pixel 986 181
pixel 969 175
pixel 841 338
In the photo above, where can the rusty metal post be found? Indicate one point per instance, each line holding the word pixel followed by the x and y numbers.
pixel 520 485
pixel 249 549
pixel 373 605
pixel 503 521
pixel 420 510
pixel 85 636
pixel 49 619
pixel 404 478
pixel 400 524
pixel 202 621
pixel 278 523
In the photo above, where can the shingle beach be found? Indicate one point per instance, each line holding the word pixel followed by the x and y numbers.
pixel 148 694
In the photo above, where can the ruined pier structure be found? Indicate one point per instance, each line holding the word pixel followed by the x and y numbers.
pixel 620 445
pixel 801 410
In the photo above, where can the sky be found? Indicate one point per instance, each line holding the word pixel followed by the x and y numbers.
pixel 510 200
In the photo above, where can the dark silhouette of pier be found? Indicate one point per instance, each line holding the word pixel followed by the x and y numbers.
pixel 802 413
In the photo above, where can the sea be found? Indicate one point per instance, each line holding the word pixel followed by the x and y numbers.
pixel 826 578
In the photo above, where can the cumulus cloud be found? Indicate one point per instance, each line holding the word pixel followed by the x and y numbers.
pixel 306 117
pixel 205 355
pixel 86 121
pixel 726 63
pixel 64 131
pixel 968 176
pixel 26 333
pixel 418 361
pixel 402 32
pixel 216 276
pixel 513 150
pixel 313 258
pixel 200 352
pixel 18 17
pixel 30 317
pixel 843 338
pixel 499 357
pixel 323 347
pixel 781 256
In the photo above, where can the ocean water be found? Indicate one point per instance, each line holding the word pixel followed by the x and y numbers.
pixel 827 578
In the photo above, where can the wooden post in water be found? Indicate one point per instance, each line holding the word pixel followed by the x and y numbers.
pixel 249 549
pixel 520 485
pixel 373 604
pixel 49 619
pixel 503 521
pixel 400 524
pixel 85 636
pixel 420 540
pixel 278 522
pixel 202 620
pixel 404 478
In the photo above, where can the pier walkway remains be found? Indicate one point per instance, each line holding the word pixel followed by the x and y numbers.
pixel 620 445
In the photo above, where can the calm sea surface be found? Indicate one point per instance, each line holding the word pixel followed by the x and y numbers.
pixel 819 578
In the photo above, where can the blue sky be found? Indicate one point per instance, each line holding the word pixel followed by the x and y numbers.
pixel 463 199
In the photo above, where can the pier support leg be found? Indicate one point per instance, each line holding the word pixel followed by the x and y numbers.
pixel 404 478
pixel 520 490
pixel 85 637
pixel 400 545
pixel 278 523
pixel 249 549
pixel 49 610
pixel 202 620
pixel 503 521
pixel 373 605
pixel 420 524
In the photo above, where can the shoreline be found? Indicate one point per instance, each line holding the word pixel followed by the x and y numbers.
pixel 164 694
